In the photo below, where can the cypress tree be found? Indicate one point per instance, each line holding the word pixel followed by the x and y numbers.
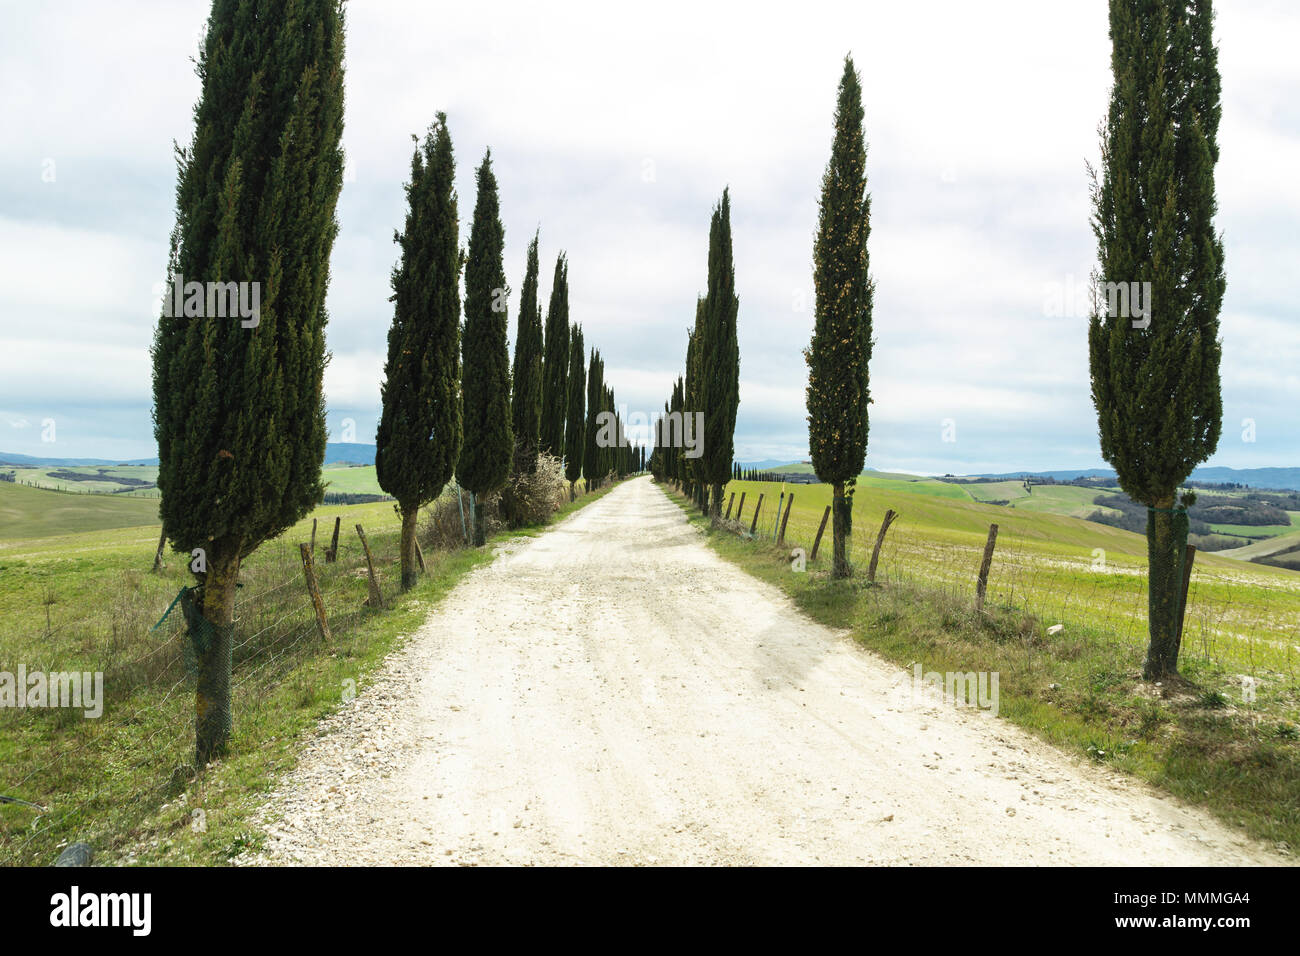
pixel 418 440
pixel 1155 367
pixel 676 455
pixel 239 414
pixel 526 399
pixel 838 389
pixel 605 457
pixel 555 392
pixel 718 358
pixel 591 448
pixel 576 411
pixel 691 404
pixel 485 458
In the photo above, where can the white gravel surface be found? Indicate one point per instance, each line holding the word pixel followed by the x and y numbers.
pixel 613 692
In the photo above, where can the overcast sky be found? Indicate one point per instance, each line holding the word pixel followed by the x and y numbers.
pixel 614 128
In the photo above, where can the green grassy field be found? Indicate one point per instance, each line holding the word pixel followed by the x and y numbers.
pixel 996 490
pixel 103 478
pixel 1245 616
pixel 27 512
pixel 1069 500
pixel 87 601
pixel 359 479
pixel 1259 532
pixel 1081 689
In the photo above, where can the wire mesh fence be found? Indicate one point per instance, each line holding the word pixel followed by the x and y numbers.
pixel 95 777
pixel 1238 615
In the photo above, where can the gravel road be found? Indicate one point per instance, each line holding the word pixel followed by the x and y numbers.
pixel 612 692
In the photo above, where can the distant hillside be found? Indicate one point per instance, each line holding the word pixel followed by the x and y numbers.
pixel 349 452
pixel 37 512
pixel 1280 478
pixel 12 458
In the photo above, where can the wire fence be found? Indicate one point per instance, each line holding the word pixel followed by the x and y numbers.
pixel 1238 615
pixel 96 778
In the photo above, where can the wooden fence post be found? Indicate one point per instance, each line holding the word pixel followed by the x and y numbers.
pixel 740 512
pixel 313 535
pixel 757 508
pixel 332 554
pixel 817 543
pixel 376 599
pixel 158 555
pixel 982 584
pixel 419 555
pixel 786 520
pixel 309 572
pixel 730 501
pixel 1188 560
pixel 890 515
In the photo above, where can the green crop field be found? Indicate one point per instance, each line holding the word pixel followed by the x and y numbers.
pixel 27 512
pixel 94 479
pixel 1258 532
pixel 1069 500
pixel 356 480
pixel 996 490
pixel 1065 569
pixel 1267 547
pixel 912 485
pixel 103 480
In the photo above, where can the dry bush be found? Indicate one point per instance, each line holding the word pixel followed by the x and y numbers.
pixel 530 499
pixel 441 526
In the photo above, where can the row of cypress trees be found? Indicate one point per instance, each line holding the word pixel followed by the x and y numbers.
pixel 481 420
pixel 701 464
pixel 838 390
pixel 239 409
pixel 1155 383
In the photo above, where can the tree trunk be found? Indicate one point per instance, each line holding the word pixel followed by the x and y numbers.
pixel 480 525
pixel 841 530
pixel 212 630
pixel 573 494
pixel 409 516
pixel 1166 543
pixel 715 506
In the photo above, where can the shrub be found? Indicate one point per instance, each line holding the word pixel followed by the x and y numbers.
pixel 531 498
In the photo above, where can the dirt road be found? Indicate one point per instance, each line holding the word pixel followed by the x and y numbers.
pixel 613 692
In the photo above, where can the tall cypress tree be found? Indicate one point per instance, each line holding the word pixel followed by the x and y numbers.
pixel 485 458
pixel 239 414
pixel 555 392
pixel 591 448
pixel 608 448
pixel 526 399
pixel 1155 379
pixel 838 390
pixel 693 400
pixel 418 441
pixel 719 358
pixel 574 433
pixel 676 455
